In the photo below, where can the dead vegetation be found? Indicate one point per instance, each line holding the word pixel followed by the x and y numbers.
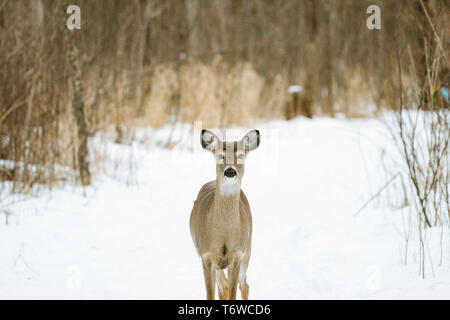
pixel 421 130
pixel 147 62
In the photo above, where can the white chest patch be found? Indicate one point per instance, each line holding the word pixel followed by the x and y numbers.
pixel 230 187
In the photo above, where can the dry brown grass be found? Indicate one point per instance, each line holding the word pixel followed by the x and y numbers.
pixel 234 72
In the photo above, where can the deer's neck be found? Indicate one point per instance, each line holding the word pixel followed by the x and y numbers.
pixel 226 205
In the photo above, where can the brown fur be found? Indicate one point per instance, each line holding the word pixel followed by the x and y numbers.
pixel 217 221
pixel 221 226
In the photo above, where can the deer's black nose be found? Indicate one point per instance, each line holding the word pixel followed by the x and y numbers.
pixel 230 173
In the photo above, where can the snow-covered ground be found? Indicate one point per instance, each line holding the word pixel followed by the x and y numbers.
pixel 305 183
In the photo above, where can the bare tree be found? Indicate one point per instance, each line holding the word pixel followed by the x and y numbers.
pixel 78 104
pixel 422 134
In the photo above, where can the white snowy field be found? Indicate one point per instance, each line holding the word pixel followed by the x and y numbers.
pixel 305 183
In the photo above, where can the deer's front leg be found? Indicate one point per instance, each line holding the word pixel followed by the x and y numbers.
pixel 233 277
pixel 210 277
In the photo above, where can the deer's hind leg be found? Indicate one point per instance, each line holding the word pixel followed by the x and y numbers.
pixel 243 285
pixel 222 284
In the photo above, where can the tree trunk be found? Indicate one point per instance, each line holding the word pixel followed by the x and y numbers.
pixel 143 22
pixel 78 103
pixel 193 8
pixel 329 62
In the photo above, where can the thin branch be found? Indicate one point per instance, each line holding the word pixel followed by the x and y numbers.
pixel 377 193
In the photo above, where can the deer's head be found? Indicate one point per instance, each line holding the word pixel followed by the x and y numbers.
pixel 230 158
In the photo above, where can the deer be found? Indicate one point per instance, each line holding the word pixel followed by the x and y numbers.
pixel 221 220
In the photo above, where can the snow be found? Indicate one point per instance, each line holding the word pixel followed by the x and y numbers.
pixel 128 237
pixel 295 89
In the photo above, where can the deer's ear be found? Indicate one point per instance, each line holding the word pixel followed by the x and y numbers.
pixel 251 140
pixel 209 140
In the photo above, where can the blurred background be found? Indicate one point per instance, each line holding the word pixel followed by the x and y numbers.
pixel 222 62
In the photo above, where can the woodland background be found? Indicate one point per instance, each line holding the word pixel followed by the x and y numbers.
pixel 224 62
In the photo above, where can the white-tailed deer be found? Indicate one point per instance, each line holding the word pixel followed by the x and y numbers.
pixel 221 221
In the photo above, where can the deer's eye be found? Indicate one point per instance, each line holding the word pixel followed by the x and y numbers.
pixel 240 156
pixel 220 157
